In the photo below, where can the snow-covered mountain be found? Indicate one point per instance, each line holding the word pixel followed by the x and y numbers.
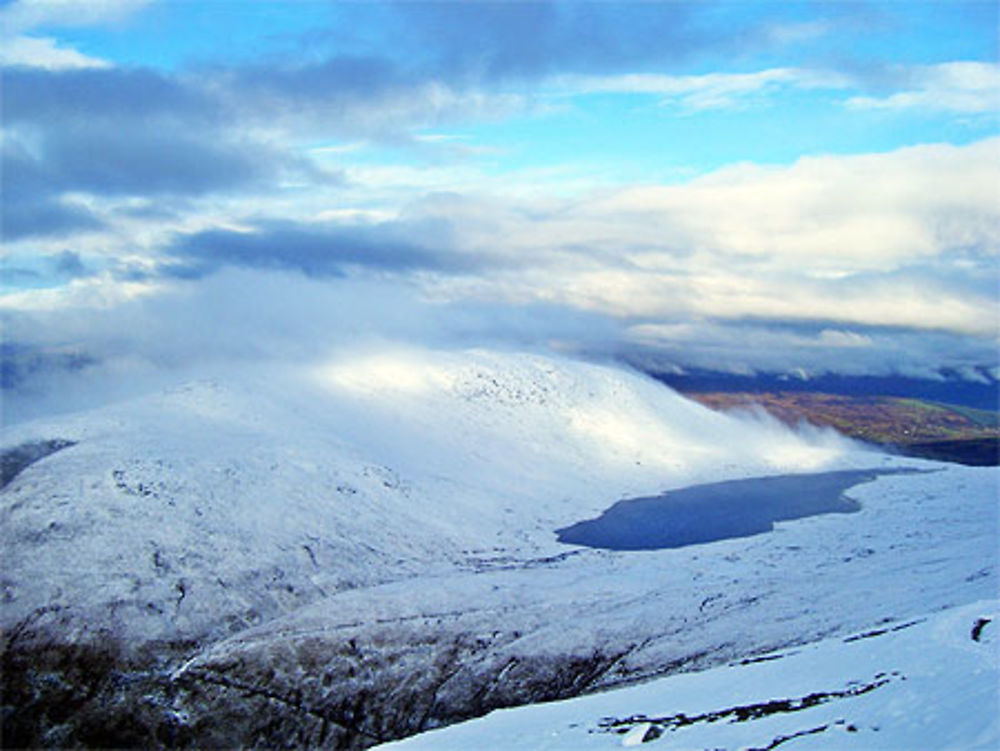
pixel 929 683
pixel 366 548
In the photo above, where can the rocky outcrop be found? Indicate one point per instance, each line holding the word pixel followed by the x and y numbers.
pixel 312 692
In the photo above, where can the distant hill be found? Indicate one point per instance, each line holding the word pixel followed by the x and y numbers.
pixel 983 393
pixel 915 427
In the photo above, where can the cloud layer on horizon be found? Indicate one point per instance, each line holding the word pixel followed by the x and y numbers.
pixel 175 194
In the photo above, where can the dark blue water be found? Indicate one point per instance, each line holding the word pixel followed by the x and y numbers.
pixel 718 511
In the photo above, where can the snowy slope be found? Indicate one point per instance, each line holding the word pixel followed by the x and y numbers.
pixel 929 683
pixel 511 632
pixel 366 548
pixel 216 505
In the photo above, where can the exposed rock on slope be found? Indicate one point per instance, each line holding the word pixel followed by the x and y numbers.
pixel 919 684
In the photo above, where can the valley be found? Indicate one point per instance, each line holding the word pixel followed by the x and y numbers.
pixel 909 426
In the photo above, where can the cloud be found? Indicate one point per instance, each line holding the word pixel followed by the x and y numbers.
pixel 40 179
pixel 810 349
pixel 194 195
pixel 796 32
pixel 76 141
pixel 710 90
pixel 19 15
pixel 114 131
pixel 363 98
pixel 907 239
pixel 68 263
pixel 743 295
pixel 47 53
pixel 446 62
pixel 510 41
pixel 966 87
pixel 958 87
pixel 838 214
pixel 21 49
pixel 318 250
pixel 123 162
pixel 115 339
pixel 100 340
pixel 50 217
pixel 112 96
pixel 18 271
pixel 903 241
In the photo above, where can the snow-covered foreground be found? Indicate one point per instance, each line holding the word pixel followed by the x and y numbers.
pixel 929 683
pixel 366 549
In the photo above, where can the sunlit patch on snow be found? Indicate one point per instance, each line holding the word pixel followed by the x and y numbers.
pixel 617 432
pixel 398 370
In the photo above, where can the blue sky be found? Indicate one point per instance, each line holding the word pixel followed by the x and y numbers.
pixel 817 177
pixel 656 135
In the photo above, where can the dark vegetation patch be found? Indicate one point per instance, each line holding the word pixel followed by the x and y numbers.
pixel 348 692
pixel 746 712
pixel 974 452
pixel 764 658
pixel 93 695
pixel 356 692
pixel 881 631
pixel 785 738
pixel 977 629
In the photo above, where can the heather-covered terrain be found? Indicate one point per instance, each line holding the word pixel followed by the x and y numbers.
pixel 915 427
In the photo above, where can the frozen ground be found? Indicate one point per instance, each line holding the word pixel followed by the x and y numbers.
pixel 367 549
pixel 929 683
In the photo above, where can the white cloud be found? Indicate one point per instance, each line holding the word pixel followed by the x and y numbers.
pixel 20 47
pixel 339 148
pixel 22 15
pixel 962 87
pixel 748 347
pixel 795 33
pixel 829 214
pixel 104 292
pixel 707 91
pixel 392 114
pixel 739 294
pixel 899 239
pixel 846 339
pixel 45 52
pixel 867 262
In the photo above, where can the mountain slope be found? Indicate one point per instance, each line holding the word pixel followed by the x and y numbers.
pixel 304 555
pixel 929 683
pixel 216 505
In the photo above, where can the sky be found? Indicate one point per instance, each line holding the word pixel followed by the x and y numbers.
pixel 806 187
